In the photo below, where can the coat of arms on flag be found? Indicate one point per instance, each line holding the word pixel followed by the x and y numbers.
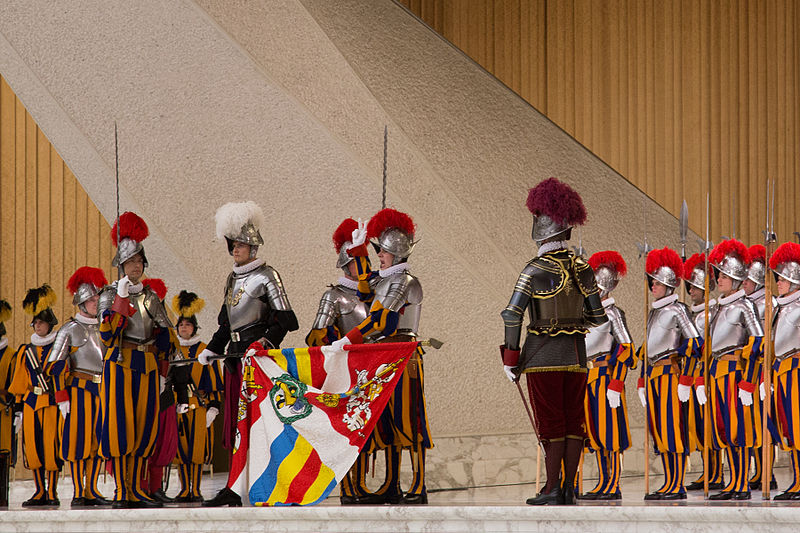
pixel 304 415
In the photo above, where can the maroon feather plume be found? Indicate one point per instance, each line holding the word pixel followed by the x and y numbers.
pixel 693 262
pixel 344 233
pixel 757 252
pixel 729 247
pixel 558 201
pixel 86 274
pixel 788 251
pixel 611 259
pixel 157 285
pixel 131 227
pixel 389 218
pixel 664 257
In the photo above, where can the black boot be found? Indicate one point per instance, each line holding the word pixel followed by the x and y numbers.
pixel 224 497
pixel 554 497
pixel 4 468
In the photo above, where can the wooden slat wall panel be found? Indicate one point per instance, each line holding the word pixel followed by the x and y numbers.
pixel 48 225
pixel 674 95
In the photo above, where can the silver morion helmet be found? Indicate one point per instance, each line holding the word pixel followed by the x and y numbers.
pixel 240 222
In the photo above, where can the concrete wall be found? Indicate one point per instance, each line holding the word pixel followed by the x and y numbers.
pixel 285 102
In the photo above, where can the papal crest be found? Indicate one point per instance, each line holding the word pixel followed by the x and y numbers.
pixel 288 399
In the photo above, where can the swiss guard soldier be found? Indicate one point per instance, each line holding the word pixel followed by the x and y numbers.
pixel 9 422
pixel 137 334
pixel 695 278
pixel 785 263
pixel 37 393
pixel 753 287
pixel 195 434
pixel 559 293
pixel 340 310
pixel 255 308
pixel 609 353
pixel 76 361
pixel 672 341
pixel 736 335
pixel 394 317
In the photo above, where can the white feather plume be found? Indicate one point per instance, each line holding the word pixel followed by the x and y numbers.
pixel 232 216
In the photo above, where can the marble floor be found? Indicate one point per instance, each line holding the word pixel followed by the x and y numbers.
pixel 497 508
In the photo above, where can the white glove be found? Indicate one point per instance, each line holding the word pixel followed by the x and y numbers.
pixel 684 393
pixel 64 408
pixel 614 398
pixel 122 287
pixel 204 356
pixel 17 422
pixel 211 414
pixel 509 370
pixel 700 392
pixel 162 383
pixel 340 344
pixel 642 397
pixel 359 235
pixel 745 397
pixel 761 392
pixel 182 408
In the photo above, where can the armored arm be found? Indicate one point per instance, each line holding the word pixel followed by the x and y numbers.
pixel 593 311
pixel 61 346
pixel 514 312
pixel 283 319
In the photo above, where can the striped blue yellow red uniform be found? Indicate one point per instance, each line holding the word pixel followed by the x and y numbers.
pixel 607 428
pixel 40 436
pixel 8 437
pixel 129 402
pixel 786 398
pixel 195 440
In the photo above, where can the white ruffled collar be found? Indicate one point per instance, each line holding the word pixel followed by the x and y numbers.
pixel 394 269
pixel 551 246
pixel 136 289
pixel 725 300
pixel 36 340
pixel 3 342
pixel 86 319
pixel 190 341
pixel 789 298
pixel 755 295
pixel 665 301
pixel 349 283
pixel 700 307
pixel 608 302
pixel 249 267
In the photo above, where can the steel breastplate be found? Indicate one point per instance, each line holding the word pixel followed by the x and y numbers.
pixel 351 310
pixel 140 326
pixel 402 293
pixel 663 333
pixel 760 303
pixel 787 330
pixel 88 355
pixel 243 299
pixel 728 332
pixel 599 340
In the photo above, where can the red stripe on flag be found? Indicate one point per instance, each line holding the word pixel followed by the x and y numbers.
pixel 318 373
pixel 305 478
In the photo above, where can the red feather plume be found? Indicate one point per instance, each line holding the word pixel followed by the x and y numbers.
pixel 757 252
pixel 344 233
pixel 389 218
pixel 788 251
pixel 611 259
pixel 729 247
pixel 86 274
pixel 557 200
pixel 157 285
pixel 693 262
pixel 664 257
pixel 131 227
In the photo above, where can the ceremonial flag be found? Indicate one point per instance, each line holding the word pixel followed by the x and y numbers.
pixel 304 415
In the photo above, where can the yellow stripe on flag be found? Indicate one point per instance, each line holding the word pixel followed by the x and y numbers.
pixel 303 360
pixel 279 359
pixel 289 469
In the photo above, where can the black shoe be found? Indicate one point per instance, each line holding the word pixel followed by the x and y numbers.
pixel 697 485
pixel 120 504
pixel 554 497
pixel 717 486
pixel 53 502
pixel 588 496
pixel 415 499
pixel 724 495
pixel 160 496
pixel 609 496
pixel 97 502
pixel 78 502
pixel 224 497
pixel 744 495
pixel 784 496
pixel 756 485
pixel 36 502
pixel 653 496
pixel 347 500
pixel 673 496
pixel 379 499
pixel 569 496
pixel 145 504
